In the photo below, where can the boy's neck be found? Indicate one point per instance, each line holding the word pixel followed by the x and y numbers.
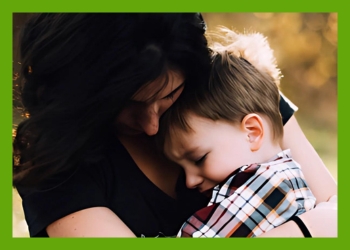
pixel 268 151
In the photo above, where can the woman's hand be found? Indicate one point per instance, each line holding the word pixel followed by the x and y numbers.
pixel 322 221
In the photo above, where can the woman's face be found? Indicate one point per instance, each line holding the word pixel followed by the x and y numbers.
pixel 142 113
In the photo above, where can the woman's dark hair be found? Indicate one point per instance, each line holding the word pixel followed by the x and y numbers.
pixel 78 72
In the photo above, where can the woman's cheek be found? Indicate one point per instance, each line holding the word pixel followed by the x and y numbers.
pixel 164 105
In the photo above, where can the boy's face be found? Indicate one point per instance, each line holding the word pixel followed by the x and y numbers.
pixel 209 153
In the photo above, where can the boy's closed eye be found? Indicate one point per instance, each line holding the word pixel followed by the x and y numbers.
pixel 200 160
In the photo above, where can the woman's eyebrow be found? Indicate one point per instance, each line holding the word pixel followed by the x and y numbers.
pixel 173 92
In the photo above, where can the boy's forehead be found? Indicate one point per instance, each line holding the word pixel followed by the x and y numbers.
pixel 177 141
pixel 180 137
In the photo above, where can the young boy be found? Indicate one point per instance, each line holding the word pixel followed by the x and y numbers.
pixel 226 138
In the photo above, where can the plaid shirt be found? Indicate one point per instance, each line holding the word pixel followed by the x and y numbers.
pixel 252 200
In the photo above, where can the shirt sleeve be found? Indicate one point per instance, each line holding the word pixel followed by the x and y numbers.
pixel 287 108
pixel 82 189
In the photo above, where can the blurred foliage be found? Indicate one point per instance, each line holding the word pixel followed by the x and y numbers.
pixel 305 46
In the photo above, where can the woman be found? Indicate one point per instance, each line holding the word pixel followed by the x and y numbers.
pixel 95 86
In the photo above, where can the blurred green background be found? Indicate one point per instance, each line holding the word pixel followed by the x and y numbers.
pixel 305 46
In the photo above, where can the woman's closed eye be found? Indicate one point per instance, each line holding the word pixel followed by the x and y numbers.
pixel 170 96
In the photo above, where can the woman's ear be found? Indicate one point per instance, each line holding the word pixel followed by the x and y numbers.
pixel 252 125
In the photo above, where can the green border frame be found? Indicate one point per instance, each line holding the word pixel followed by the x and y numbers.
pixel 157 6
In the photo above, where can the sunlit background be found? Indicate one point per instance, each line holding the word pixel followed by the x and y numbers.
pixel 305 45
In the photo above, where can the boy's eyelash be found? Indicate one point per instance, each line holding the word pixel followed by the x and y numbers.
pixel 198 162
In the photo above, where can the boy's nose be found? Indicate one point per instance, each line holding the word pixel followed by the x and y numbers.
pixel 193 181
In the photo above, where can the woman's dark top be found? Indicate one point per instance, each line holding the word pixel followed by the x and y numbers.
pixel 117 183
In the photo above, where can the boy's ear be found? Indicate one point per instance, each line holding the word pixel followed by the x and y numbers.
pixel 252 125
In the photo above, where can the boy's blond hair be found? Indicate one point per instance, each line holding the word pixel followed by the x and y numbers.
pixel 236 87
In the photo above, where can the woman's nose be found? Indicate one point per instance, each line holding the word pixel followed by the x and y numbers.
pixel 150 120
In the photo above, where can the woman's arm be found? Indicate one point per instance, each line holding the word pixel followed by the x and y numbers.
pixel 321 222
pixel 321 183
pixel 91 222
